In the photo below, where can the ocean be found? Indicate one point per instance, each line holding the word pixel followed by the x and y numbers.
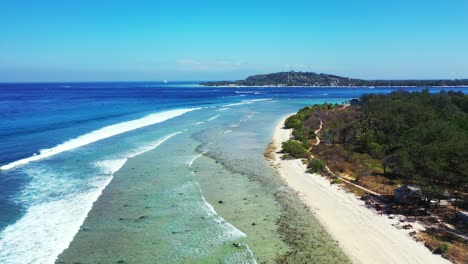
pixel 74 155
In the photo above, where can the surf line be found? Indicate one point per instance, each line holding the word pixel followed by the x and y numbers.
pixel 190 163
pixel 213 118
pixel 70 214
pixel 100 134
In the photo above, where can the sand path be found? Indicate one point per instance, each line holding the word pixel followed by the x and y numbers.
pixel 362 234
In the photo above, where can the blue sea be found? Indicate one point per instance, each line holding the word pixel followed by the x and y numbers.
pixel 61 143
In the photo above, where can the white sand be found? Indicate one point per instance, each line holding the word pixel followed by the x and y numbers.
pixel 364 236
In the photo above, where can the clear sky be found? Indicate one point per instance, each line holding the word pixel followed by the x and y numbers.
pixel 46 40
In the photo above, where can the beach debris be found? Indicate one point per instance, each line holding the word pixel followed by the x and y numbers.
pixel 408 226
pixel 378 207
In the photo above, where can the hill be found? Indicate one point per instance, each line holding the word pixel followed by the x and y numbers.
pixel 322 79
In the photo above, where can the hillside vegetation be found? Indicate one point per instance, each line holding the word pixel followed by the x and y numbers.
pixel 322 79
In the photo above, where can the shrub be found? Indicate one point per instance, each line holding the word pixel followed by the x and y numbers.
pixel 336 181
pixel 443 248
pixel 316 165
pixel 293 122
pixel 299 135
pixel 295 148
pixel 312 134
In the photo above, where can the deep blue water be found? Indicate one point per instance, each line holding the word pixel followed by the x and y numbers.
pixel 42 116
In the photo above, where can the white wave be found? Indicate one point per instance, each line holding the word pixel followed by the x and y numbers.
pixel 190 162
pixel 223 109
pixel 213 118
pixel 100 134
pixel 48 228
pixel 199 123
pixel 246 92
pixel 246 102
pixel 151 146
pixel 236 104
pixel 258 100
pixel 234 232
pixel 227 131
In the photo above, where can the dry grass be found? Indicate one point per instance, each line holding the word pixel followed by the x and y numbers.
pixel 434 239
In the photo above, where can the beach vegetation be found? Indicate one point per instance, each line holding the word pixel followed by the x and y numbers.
pixel 336 181
pixel 444 247
pixel 295 149
pixel 315 166
pixel 416 138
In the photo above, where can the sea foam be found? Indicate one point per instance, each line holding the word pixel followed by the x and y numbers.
pixel 245 102
pixel 47 228
pixel 213 118
pixel 100 134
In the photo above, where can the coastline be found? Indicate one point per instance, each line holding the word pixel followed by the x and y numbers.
pixel 143 216
pixel 325 86
pixel 364 236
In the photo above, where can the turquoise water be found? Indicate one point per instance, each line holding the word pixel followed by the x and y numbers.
pixel 62 144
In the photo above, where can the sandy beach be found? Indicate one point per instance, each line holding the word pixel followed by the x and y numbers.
pixel 364 236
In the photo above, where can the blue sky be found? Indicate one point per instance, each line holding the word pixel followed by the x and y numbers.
pixel 103 40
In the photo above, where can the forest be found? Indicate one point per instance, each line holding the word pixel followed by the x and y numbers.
pixel 414 138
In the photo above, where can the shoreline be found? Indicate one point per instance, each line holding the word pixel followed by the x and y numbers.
pixel 371 238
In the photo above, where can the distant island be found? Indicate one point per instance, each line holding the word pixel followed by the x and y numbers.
pixel 321 79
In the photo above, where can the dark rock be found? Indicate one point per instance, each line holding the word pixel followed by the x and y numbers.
pixel 253 224
pixel 220 201
pixel 237 245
